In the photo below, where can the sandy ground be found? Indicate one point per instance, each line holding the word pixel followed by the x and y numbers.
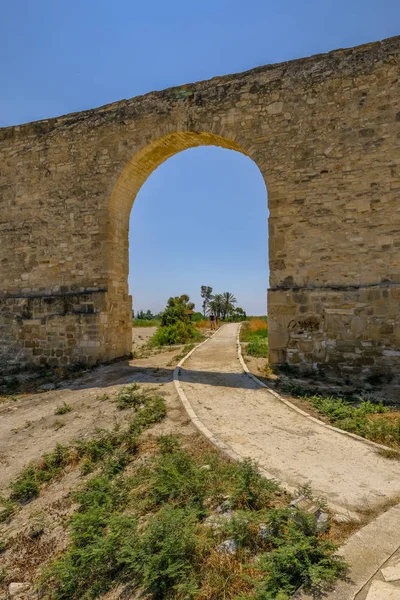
pixel 29 427
pixel 292 448
pixel 140 336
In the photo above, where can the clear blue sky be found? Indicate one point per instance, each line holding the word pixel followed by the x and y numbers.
pixel 200 219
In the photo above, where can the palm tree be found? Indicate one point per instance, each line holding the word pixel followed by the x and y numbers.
pixel 216 305
pixel 228 302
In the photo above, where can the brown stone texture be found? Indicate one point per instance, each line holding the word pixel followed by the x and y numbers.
pixel 324 132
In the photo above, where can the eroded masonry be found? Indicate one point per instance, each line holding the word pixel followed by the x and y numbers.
pixel 324 132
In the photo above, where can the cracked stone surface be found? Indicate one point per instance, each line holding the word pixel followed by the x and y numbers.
pixel 295 450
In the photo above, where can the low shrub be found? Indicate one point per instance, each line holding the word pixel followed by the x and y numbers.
pixel 299 557
pixel 153 411
pixel 251 490
pixel 178 333
pixel 164 558
pixel 177 477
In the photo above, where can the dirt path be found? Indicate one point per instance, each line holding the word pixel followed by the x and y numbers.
pixel 349 473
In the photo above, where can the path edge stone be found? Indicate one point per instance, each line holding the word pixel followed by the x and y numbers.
pixel 366 551
pixel 296 408
pixel 215 441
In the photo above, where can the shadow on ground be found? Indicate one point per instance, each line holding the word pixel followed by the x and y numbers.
pixel 124 373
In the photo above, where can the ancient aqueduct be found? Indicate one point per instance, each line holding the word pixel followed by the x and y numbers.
pixel 324 132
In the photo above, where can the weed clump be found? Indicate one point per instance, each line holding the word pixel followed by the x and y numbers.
pixel 63 409
pixel 7 508
pixel 129 396
pixel 27 486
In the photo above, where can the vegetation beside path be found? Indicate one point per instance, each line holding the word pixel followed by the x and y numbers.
pixel 185 523
pixel 175 519
pixel 255 333
pixel 371 420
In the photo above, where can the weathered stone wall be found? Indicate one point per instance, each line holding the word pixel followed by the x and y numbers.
pixel 324 132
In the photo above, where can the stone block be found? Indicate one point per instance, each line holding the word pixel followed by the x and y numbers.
pixel 392 573
pixel 381 590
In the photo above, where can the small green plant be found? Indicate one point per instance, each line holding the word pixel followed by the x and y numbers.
pixel 153 411
pixel 7 509
pixel 252 491
pixel 63 409
pixel 103 397
pixel 100 446
pixel 129 396
pixel 58 424
pixel 27 486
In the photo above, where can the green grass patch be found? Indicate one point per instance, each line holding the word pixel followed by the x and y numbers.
pixel 258 347
pixel 150 529
pixel 371 420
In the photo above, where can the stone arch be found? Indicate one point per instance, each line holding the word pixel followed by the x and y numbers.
pixel 316 126
pixel 130 180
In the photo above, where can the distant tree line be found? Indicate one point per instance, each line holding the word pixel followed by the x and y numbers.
pixel 145 316
pixel 223 306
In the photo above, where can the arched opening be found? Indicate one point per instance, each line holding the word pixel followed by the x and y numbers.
pixel 130 181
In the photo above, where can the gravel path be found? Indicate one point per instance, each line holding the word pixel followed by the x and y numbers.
pixel 349 473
